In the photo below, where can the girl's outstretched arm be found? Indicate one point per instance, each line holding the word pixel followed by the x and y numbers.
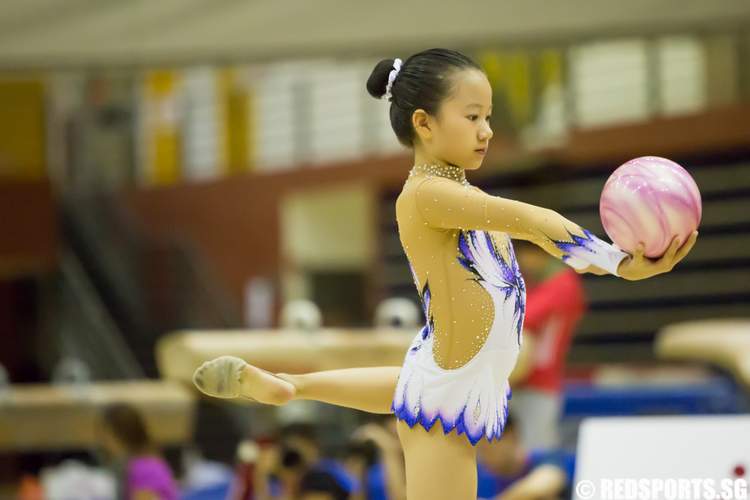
pixel 449 205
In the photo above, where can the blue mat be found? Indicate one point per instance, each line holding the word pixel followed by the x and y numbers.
pixel 717 395
pixel 218 492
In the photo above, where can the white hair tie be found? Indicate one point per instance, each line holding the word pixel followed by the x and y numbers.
pixel 391 77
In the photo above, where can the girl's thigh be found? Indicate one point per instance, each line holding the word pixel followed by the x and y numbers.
pixel 438 466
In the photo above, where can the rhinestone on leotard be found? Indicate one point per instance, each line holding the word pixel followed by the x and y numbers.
pixel 447 171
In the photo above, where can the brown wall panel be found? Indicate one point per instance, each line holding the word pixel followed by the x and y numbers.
pixel 29 232
pixel 708 131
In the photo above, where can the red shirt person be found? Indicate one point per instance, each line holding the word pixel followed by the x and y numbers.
pixel 555 304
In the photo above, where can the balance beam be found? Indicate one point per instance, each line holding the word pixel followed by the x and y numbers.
pixel 43 417
pixel 721 342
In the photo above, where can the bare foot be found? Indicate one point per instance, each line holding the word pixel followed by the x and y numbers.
pixel 231 377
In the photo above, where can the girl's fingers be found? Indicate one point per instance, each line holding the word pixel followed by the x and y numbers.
pixel 668 259
pixel 675 245
pixel 685 249
pixel 639 250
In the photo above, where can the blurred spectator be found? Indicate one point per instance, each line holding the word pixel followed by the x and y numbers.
pixel 397 312
pixel 301 315
pixel 75 479
pixel 376 459
pixel 321 485
pixel 506 470
pixel 144 474
pixel 555 303
pixel 30 489
pixel 281 467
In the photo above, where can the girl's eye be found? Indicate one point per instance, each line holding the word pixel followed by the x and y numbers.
pixel 488 118
pixel 472 117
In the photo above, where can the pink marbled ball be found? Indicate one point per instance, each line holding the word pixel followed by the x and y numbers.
pixel 650 200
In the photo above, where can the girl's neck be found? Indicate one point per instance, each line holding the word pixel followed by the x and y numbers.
pixel 440 169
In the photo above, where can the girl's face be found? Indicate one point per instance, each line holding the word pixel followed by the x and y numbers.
pixel 460 133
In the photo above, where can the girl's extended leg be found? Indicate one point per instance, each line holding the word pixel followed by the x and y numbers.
pixel 438 467
pixel 366 389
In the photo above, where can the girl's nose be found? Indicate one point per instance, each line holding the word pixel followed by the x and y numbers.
pixel 485 133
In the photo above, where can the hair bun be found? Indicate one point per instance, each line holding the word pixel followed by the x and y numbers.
pixel 378 80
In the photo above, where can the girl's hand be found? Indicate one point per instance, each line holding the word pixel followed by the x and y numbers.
pixel 638 267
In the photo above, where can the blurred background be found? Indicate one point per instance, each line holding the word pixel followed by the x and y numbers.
pixel 198 167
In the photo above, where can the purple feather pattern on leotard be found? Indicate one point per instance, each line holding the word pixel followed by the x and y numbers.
pixel 579 247
pixel 462 422
pixel 478 254
pixel 580 251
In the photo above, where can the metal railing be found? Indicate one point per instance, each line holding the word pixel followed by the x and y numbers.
pixel 86 331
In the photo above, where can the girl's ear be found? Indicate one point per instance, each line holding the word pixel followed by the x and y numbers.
pixel 422 123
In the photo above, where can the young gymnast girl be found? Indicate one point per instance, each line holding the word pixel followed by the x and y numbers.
pixel 452 389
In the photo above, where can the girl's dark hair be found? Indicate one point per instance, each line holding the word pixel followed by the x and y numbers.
pixel 422 83
pixel 128 427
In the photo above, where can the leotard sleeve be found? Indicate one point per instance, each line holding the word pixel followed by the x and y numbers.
pixel 446 204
